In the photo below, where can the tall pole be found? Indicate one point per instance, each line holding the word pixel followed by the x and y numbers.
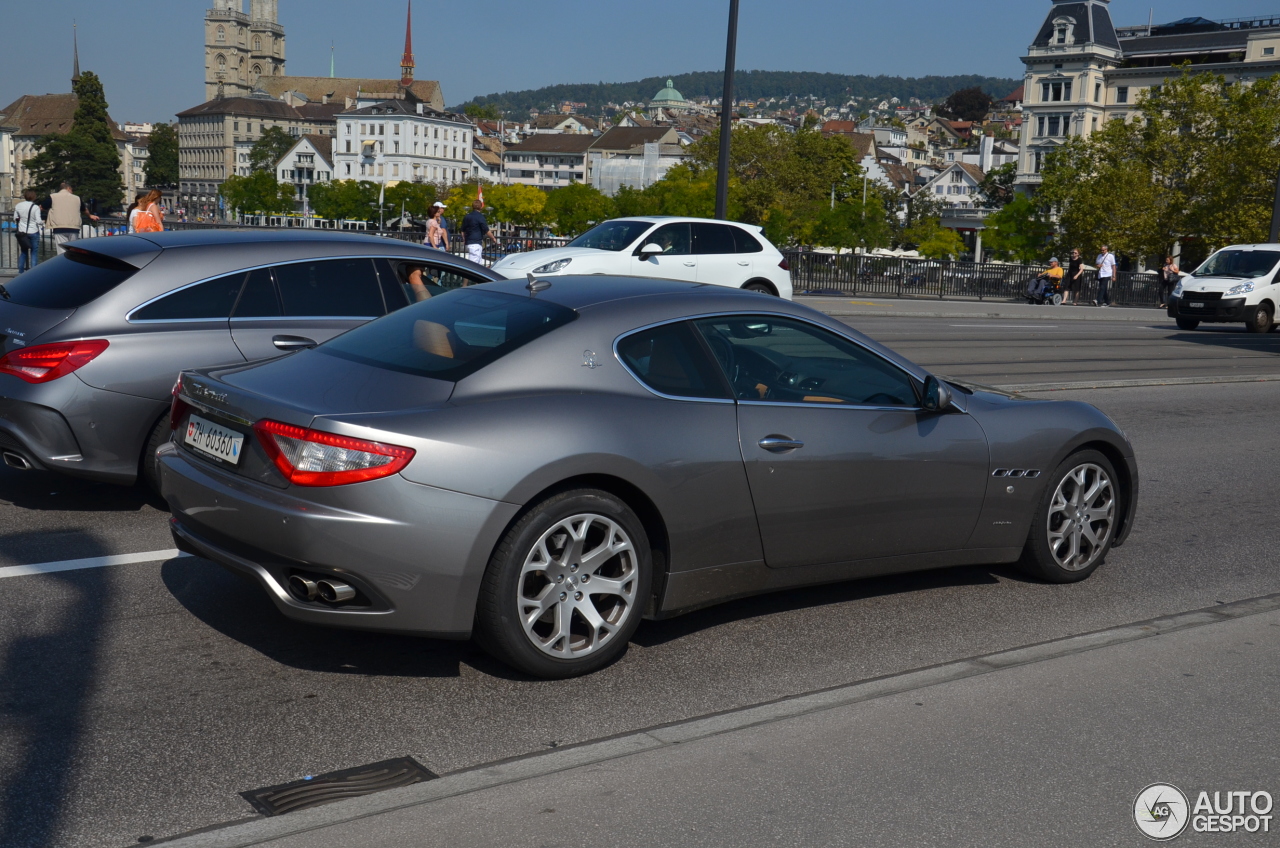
pixel 726 118
pixel 1275 214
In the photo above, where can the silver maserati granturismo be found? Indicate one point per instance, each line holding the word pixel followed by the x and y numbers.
pixel 541 464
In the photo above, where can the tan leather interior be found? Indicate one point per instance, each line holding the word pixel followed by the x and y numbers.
pixel 821 399
pixel 436 339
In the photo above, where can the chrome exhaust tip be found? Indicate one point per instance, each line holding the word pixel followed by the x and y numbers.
pixel 16 460
pixel 334 591
pixel 303 588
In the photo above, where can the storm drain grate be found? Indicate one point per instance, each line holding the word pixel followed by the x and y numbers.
pixel 337 786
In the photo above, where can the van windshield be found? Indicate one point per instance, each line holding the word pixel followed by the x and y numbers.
pixel 1245 264
pixel 68 281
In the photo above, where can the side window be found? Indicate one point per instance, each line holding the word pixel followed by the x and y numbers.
pixel 673 239
pixel 258 300
pixel 417 280
pixel 714 239
pixel 668 359
pixel 210 301
pixel 745 242
pixel 776 359
pixel 330 288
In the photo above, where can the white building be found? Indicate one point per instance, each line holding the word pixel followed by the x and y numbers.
pixel 548 161
pixel 306 164
pixel 406 139
pixel 957 186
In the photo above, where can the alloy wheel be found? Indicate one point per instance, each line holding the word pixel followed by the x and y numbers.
pixel 578 586
pixel 1081 517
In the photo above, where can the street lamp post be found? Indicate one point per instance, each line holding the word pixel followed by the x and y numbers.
pixel 726 119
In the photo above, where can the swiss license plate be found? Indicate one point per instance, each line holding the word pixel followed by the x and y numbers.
pixel 1193 305
pixel 210 438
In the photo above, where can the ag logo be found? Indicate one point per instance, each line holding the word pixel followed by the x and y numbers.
pixel 1161 811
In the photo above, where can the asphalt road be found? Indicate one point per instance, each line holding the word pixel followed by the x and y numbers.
pixel 139 700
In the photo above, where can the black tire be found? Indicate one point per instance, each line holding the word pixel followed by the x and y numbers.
pixel 148 468
pixel 538 650
pixel 1038 555
pixel 761 288
pixel 1187 323
pixel 1259 319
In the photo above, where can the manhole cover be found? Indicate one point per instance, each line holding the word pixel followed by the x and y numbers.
pixel 337 785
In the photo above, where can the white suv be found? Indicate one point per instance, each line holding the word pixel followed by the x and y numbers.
pixel 1238 283
pixel 695 249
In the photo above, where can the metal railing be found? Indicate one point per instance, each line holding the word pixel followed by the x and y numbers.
pixel 888 276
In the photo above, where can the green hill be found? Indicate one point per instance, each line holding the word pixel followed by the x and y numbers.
pixel 836 89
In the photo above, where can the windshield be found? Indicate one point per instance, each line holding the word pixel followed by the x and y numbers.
pixel 451 335
pixel 612 235
pixel 68 281
pixel 1245 264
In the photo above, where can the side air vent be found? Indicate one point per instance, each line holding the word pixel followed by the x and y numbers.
pixel 1015 472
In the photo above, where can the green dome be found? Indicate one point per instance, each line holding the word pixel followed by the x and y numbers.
pixel 668 95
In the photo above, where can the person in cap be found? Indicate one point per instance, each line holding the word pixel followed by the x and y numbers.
pixel 1051 278
pixel 437 234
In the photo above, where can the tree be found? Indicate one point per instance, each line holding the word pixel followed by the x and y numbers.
pixel 576 208
pixel 1020 231
pixel 344 200
pixel 967 104
pixel 482 112
pixel 270 148
pixel 414 198
pixel 161 167
pixel 997 187
pixel 258 193
pixel 86 156
pixel 934 240
pixel 521 205
pixel 1198 161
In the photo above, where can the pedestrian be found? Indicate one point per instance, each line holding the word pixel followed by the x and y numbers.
pixel 66 216
pixel 1169 276
pixel 1106 273
pixel 147 217
pixel 1075 274
pixel 29 223
pixel 437 234
pixel 475 228
pixel 131 214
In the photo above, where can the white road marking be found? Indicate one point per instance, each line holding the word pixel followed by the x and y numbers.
pixel 1008 326
pixel 92 562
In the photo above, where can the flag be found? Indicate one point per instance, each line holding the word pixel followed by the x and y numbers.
pixel 480 193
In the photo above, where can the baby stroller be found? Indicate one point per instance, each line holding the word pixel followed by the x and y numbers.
pixel 1044 289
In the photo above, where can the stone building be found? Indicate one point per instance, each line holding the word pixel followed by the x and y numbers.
pixel 1082 71
pixel 241 49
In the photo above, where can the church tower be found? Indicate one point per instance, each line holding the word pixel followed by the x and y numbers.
pixel 266 45
pixel 226 50
pixel 1065 84
pixel 406 61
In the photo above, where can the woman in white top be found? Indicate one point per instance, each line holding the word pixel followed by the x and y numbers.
pixel 132 212
pixel 27 216
pixel 437 234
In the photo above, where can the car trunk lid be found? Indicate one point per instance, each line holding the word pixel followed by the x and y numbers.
pixel 21 325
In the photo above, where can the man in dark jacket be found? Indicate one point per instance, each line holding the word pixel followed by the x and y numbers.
pixel 475 229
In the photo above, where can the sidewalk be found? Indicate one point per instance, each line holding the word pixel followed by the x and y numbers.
pixel 934 308
pixel 1043 745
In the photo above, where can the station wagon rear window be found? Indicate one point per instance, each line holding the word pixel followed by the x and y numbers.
pixel 68 281
pixel 451 335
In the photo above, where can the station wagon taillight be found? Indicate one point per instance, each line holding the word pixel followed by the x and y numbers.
pixel 47 362
pixel 315 458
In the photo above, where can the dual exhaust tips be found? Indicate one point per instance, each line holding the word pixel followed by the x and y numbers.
pixel 327 589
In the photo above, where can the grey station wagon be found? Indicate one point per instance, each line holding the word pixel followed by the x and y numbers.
pixel 91 342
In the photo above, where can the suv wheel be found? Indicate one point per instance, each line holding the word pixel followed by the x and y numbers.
pixel 762 288
pixel 566 586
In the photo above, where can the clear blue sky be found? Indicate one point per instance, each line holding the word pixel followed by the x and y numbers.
pixel 150 52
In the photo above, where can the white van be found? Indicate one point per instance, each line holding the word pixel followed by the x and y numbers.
pixel 1238 283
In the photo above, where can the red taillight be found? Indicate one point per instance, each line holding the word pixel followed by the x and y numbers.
pixel 46 362
pixel 177 407
pixel 314 458
pixel 784 265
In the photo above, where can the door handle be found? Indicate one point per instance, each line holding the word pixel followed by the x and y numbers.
pixel 780 444
pixel 691 264
pixel 744 264
pixel 292 343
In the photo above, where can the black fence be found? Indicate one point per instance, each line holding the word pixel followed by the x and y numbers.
pixel 888 276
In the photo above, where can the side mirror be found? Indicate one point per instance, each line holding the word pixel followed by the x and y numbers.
pixel 650 249
pixel 937 395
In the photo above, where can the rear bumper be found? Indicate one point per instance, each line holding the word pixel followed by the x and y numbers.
pixel 38 434
pixel 1211 310
pixel 416 552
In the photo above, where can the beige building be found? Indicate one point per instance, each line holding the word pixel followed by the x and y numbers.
pixel 241 49
pixel 1082 71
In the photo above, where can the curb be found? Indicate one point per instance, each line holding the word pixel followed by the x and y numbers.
pixel 1002 316
pixel 256 831
pixel 1133 384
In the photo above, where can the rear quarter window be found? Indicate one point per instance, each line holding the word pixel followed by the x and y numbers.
pixel 209 301
pixel 69 281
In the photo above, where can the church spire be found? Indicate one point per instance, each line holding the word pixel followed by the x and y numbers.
pixel 75 50
pixel 331 49
pixel 406 62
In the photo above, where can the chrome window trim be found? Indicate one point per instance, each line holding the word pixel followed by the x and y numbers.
pixel 131 320
pixel 749 313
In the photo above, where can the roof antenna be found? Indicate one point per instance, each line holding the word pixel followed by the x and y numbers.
pixel 535 285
